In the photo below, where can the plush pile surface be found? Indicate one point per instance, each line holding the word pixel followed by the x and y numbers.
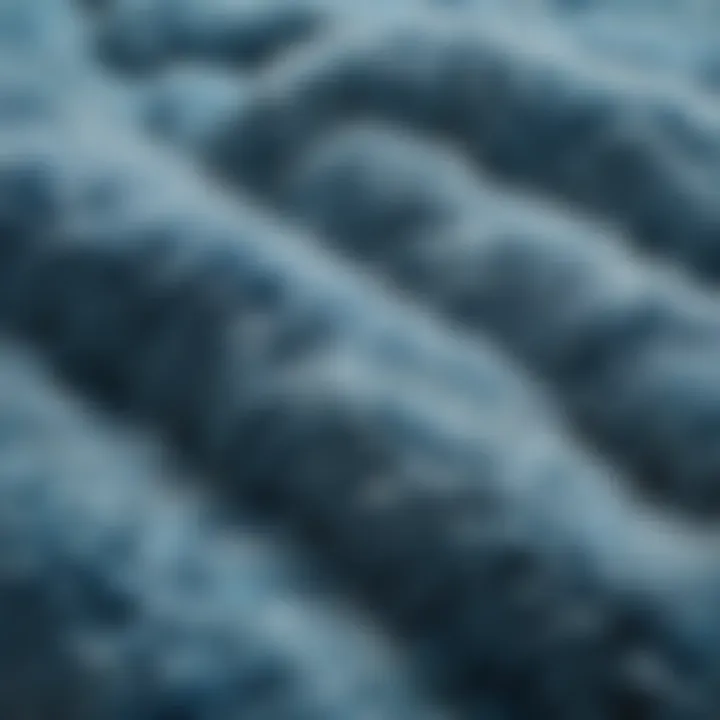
pixel 359 361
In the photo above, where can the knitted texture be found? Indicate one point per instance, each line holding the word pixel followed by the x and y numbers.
pixel 617 334
pixel 368 364
pixel 121 599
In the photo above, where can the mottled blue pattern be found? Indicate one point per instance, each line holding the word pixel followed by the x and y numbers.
pixel 359 361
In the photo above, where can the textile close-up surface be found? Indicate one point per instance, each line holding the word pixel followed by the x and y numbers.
pixel 359 360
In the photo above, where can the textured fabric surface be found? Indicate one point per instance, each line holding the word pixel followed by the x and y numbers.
pixel 359 361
